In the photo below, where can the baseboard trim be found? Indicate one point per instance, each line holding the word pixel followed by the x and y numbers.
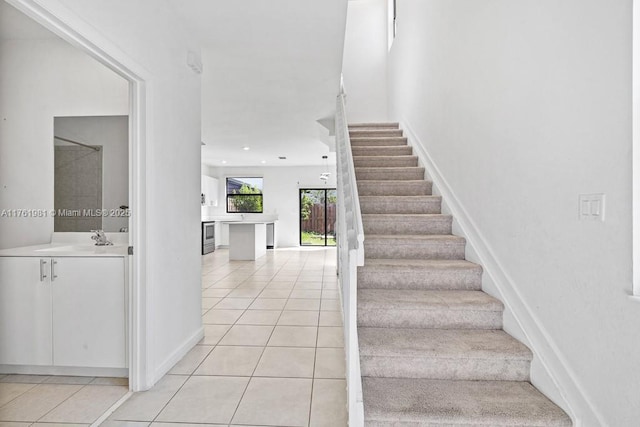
pixel 75 371
pixel 178 354
pixel 577 404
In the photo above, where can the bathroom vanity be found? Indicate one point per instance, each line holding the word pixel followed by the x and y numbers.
pixel 63 309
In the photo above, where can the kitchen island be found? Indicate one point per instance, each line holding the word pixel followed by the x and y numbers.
pixel 247 240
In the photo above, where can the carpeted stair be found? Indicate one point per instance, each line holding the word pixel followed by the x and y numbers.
pixel 432 348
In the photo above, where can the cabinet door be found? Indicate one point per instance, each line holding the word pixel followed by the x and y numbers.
pixel 89 312
pixel 25 312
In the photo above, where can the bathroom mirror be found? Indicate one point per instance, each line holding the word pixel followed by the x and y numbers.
pixel 91 179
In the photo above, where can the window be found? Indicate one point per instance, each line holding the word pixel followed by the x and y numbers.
pixel 244 195
pixel 392 27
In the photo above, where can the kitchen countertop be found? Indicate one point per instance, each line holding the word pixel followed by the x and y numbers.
pixel 235 218
pixel 245 222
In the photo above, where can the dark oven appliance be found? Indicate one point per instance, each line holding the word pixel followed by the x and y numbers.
pixel 208 237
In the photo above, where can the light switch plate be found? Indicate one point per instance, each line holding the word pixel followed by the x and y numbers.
pixel 591 207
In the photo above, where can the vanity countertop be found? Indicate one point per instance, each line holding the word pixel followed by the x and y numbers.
pixel 67 250
pixel 73 245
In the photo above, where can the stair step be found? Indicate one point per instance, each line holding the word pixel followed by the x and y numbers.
pixel 392 125
pixel 407 246
pixel 378 141
pixel 455 354
pixel 385 308
pixel 419 274
pixel 424 402
pixel 377 132
pixel 407 224
pixel 385 161
pixel 398 188
pixel 389 150
pixel 400 204
pixel 389 173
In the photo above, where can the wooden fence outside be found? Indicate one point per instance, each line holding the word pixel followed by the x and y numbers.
pixel 315 223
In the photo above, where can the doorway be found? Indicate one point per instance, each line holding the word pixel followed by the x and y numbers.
pixel 318 217
pixel 140 373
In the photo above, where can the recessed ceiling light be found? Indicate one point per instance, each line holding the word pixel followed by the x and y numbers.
pixel 224 161
pixel 246 148
pixel 263 162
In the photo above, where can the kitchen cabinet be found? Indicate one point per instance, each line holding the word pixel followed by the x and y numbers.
pixel 209 187
pixel 63 311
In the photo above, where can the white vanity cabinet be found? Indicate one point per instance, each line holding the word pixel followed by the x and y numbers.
pixel 63 311
pixel 25 312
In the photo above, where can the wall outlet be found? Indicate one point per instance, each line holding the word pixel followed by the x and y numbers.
pixel 591 207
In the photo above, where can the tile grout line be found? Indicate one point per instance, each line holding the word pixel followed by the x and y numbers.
pixel 27 390
pixel 264 348
pixel 58 405
pixel 199 364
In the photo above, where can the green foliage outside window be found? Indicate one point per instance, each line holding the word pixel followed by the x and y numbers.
pixel 247 199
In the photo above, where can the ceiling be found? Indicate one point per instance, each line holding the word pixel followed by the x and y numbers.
pixel 271 71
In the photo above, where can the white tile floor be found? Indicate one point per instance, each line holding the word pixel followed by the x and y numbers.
pixel 272 353
pixel 55 400
pixel 272 356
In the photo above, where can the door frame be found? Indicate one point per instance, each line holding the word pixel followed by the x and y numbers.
pixel 69 27
pixel 300 190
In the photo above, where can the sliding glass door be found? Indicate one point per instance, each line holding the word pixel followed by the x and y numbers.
pixel 318 217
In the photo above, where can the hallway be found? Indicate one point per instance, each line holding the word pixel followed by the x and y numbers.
pixel 272 355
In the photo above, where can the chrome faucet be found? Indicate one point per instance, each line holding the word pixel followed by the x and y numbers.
pixel 101 238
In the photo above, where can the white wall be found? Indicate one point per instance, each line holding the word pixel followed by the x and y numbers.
pixel 112 133
pixel 39 80
pixel 146 37
pixel 364 65
pixel 523 106
pixel 280 194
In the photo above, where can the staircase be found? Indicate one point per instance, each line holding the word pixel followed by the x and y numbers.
pixel 432 348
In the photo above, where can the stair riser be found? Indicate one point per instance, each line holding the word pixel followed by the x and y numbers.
pixel 410 250
pixel 391 174
pixel 407 206
pixel 378 142
pixel 425 226
pixel 391 188
pixel 400 150
pixel 376 133
pixel 418 279
pixel 429 319
pixel 385 161
pixel 494 369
